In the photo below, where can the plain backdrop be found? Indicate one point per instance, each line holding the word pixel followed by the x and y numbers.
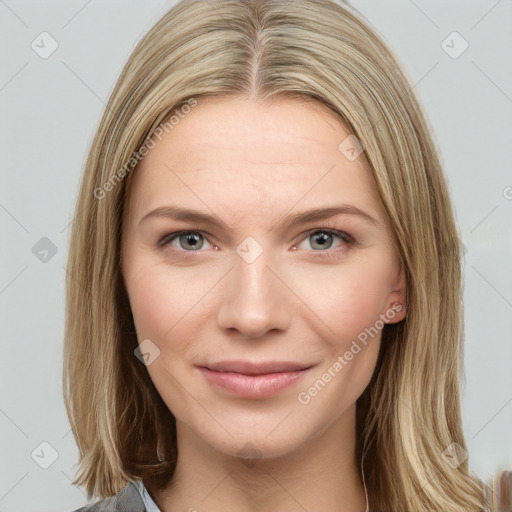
pixel 50 108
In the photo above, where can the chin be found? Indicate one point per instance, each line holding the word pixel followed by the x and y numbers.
pixel 251 448
pixel 265 436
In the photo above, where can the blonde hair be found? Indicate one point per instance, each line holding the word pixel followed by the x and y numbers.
pixel 314 50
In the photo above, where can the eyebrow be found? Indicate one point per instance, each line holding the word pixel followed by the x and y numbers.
pixel 304 217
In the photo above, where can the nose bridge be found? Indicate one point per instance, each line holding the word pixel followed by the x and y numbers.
pixel 254 301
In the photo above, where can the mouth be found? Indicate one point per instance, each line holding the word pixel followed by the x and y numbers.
pixel 254 380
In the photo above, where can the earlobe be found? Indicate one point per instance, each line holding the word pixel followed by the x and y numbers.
pixel 397 304
pixel 396 313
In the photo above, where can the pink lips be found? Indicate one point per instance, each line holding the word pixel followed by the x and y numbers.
pixel 253 380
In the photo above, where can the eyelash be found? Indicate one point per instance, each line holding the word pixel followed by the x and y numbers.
pixel 342 235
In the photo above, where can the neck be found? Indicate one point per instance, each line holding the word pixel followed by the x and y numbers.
pixel 321 474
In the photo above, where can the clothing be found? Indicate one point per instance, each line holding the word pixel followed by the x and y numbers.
pixel 148 500
pixel 132 498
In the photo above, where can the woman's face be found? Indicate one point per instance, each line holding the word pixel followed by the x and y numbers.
pixel 260 273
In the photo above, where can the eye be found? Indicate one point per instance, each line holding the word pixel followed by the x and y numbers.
pixel 323 239
pixel 189 241
pixel 320 240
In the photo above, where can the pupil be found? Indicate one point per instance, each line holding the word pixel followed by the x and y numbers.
pixel 192 240
pixel 322 238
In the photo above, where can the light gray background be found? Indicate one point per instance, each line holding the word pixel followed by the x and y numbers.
pixel 49 111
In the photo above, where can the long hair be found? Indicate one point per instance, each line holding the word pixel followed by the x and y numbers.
pixel 409 416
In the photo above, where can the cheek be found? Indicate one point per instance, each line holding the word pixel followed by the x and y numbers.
pixel 169 308
pixel 166 304
pixel 152 305
pixel 345 300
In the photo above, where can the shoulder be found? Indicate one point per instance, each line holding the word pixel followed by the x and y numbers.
pixel 127 499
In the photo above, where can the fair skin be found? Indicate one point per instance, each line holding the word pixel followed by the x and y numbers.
pixel 211 296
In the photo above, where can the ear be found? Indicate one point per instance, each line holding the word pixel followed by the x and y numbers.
pixel 396 307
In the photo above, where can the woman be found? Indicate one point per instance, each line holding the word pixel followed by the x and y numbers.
pixel 264 293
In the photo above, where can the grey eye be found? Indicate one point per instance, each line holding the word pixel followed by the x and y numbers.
pixel 321 240
pixel 191 240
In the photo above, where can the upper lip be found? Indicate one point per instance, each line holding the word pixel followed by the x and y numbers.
pixel 261 368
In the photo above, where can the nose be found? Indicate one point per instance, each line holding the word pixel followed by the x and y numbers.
pixel 254 299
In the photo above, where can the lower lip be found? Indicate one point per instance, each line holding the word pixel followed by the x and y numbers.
pixel 252 386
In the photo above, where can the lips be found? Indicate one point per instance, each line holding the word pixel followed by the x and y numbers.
pixel 251 380
pixel 250 368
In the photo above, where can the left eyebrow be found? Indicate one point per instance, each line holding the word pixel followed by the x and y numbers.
pixel 317 214
pixel 304 217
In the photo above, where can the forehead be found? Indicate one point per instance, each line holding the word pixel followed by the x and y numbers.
pixel 238 156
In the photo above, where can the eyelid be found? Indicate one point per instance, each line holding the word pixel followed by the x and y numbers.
pixel 332 230
pixel 170 237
